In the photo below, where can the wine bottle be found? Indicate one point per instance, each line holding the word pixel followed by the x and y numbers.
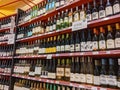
pixel 116 7
pixel 66 19
pixel 58 44
pixel 77 70
pixel 83 70
pixel 72 70
pixel 67 43
pixel 72 43
pixel 62 20
pixel 117 36
pixel 58 70
pixel 88 13
pixel 101 10
pixel 94 11
pixel 103 73
pixel 38 68
pixel 82 13
pixel 83 42
pixel 77 42
pixel 70 17
pixel 118 74
pixel 95 40
pixel 112 78
pixel 108 8
pixel 97 73
pixel 76 14
pixel 58 21
pixel 89 42
pixel 62 43
pixel 67 69
pixel 89 71
pixel 102 41
pixel 110 39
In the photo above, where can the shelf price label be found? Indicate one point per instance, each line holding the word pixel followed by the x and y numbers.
pixel 11 38
pixel 49 56
pixel 82 24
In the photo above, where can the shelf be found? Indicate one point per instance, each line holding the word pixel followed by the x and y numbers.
pixel 108 53
pixel 4 74
pixel 68 5
pixel 99 22
pixel 66 30
pixel 85 86
pixel 105 21
pixel 5 58
pixel 3 43
pixel 3 29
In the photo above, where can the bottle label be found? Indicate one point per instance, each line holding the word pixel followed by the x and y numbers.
pixel 116 8
pixel 54 26
pixel 102 44
pixel 58 22
pixel 31 73
pixel 62 48
pixel 67 47
pixel 118 84
pixel 27 68
pixel 117 42
pixel 72 47
pixel 60 71
pixel 83 78
pixel 109 10
pixel 110 43
pixel 88 16
pixel 51 75
pixel 96 80
pixel 70 19
pixel 89 78
pixel 61 21
pixel 83 46
pixel 112 80
pixel 95 15
pixel 66 19
pixel 67 72
pixel 51 28
pixel 77 77
pixel 89 46
pixel 76 17
pixel 62 2
pixel 104 79
pixel 58 48
pixel 95 45
pixel 101 13
pixel 57 4
pixel 38 70
pixel 77 47
pixel 72 77
pixel 82 15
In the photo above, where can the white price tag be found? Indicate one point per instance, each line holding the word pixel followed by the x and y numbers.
pixel 81 86
pixel 11 38
pixel 107 52
pixel 94 88
pixel 49 56
pixel 82 24
pixel 103 89
pixel 95 53
pixel 57 82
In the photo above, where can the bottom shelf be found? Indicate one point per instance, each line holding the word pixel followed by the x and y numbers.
pixel 66 83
